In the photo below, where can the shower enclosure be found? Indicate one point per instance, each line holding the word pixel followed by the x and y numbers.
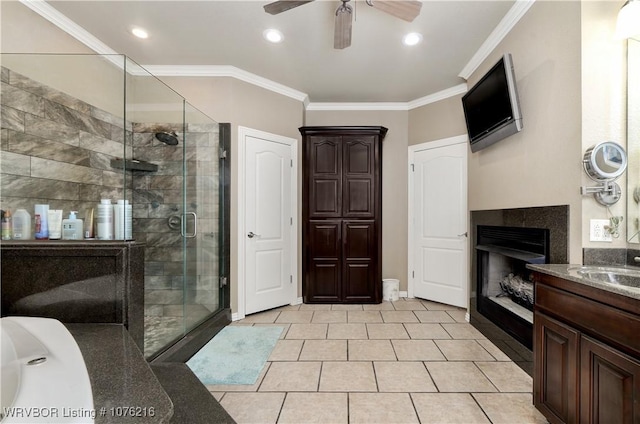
pixel 80 128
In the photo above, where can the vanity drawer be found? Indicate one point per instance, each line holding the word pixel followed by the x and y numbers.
pixel 618 327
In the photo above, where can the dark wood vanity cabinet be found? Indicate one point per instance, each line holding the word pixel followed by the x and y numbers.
pixel 342 214
pixel 586 353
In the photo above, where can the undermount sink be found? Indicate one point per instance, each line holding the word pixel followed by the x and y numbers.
pixel 614 275
pixel 44 377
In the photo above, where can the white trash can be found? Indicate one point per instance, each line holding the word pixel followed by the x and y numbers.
pixel 390 289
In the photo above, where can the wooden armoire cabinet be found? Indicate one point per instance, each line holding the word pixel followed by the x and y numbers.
pixel 342 214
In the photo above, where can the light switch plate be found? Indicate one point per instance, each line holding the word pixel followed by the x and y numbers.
pixel 597 230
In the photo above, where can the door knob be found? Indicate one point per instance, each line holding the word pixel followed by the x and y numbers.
pixel 252 234
pixel 463 234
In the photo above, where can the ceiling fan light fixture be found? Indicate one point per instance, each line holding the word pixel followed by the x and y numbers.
pixel 273 35
pixel 412 39
pixel 139 32
pixel 343 24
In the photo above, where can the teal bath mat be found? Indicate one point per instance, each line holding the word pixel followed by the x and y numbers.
pixel 236 355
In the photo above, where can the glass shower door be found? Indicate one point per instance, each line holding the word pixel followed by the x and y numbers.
pixel 201 217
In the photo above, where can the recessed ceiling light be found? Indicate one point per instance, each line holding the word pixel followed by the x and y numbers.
pixel 273 35
pixel 412 39
pixel 139 32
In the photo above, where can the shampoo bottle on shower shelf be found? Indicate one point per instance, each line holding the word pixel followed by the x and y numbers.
pixel 41 222
pixel 6 225
pixel 21 225
pixel 122 219
pixel 89 226
pixel 72 227
pixel 104 220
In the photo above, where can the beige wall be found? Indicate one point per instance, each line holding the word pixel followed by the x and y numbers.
pixel 436 121
pixel 604 84
pixel 89 78
pixel 24 31
pixel 394 181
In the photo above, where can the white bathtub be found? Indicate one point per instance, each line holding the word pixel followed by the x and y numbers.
pixel 44 377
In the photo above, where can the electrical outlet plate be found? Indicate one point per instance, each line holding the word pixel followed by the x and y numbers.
pixel 597 231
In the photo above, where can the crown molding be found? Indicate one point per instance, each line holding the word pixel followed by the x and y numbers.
pixel 517 11
pixel 389 106
pixel 318 106
pixel 436 97
pixel 225 71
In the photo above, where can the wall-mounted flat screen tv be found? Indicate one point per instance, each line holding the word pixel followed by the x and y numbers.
pixel 491 107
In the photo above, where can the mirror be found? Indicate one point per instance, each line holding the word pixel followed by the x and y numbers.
pixel 633 140
pixel 605 161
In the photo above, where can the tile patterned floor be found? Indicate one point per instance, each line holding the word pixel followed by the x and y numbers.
pixel 410 361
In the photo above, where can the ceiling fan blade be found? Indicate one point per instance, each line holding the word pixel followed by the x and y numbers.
pixel 342 30
pixel 406 10
pixel 283 5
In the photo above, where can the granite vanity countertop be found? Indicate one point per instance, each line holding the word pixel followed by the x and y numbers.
pixel 125 390
pixel 568 272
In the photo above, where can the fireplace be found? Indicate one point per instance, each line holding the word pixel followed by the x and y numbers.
pixel 505 292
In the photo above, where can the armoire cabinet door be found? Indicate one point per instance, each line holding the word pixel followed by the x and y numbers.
pixel 324 261
pixel 359 170
pixel 342 213
pixel 359 282
pixel 325 177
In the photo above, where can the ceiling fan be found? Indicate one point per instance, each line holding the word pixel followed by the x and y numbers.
pixel 406 10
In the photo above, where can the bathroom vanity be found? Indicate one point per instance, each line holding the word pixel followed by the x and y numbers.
pixel 586 344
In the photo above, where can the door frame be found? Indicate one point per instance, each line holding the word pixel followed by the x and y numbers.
pixel 243 132
pixel 445 142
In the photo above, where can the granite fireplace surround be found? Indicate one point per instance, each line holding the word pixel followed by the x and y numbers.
pixel 553 218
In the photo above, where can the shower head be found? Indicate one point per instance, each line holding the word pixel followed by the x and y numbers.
pixel 168 137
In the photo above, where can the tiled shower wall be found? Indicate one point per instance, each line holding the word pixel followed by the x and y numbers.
pixel 57 150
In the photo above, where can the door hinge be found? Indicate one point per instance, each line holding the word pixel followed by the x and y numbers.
pixel 291 279
pixel 292 163
pixel 413 274
pixel 223 281
pixel 223 154
pixel 291 221
pixel 413 168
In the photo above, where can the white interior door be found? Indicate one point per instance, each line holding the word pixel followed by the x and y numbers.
pixel 438 222
pixel 268 223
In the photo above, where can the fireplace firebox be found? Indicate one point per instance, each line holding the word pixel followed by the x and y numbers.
pixel 505 292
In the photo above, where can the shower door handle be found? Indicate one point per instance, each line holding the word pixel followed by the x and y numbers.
pixel 183 225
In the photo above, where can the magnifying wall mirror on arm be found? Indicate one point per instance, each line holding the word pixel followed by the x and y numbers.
pixel 604 163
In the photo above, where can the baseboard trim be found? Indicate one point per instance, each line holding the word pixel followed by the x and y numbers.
pixel 403 294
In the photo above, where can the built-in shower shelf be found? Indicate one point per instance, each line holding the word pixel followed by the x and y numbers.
pixel 134 165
